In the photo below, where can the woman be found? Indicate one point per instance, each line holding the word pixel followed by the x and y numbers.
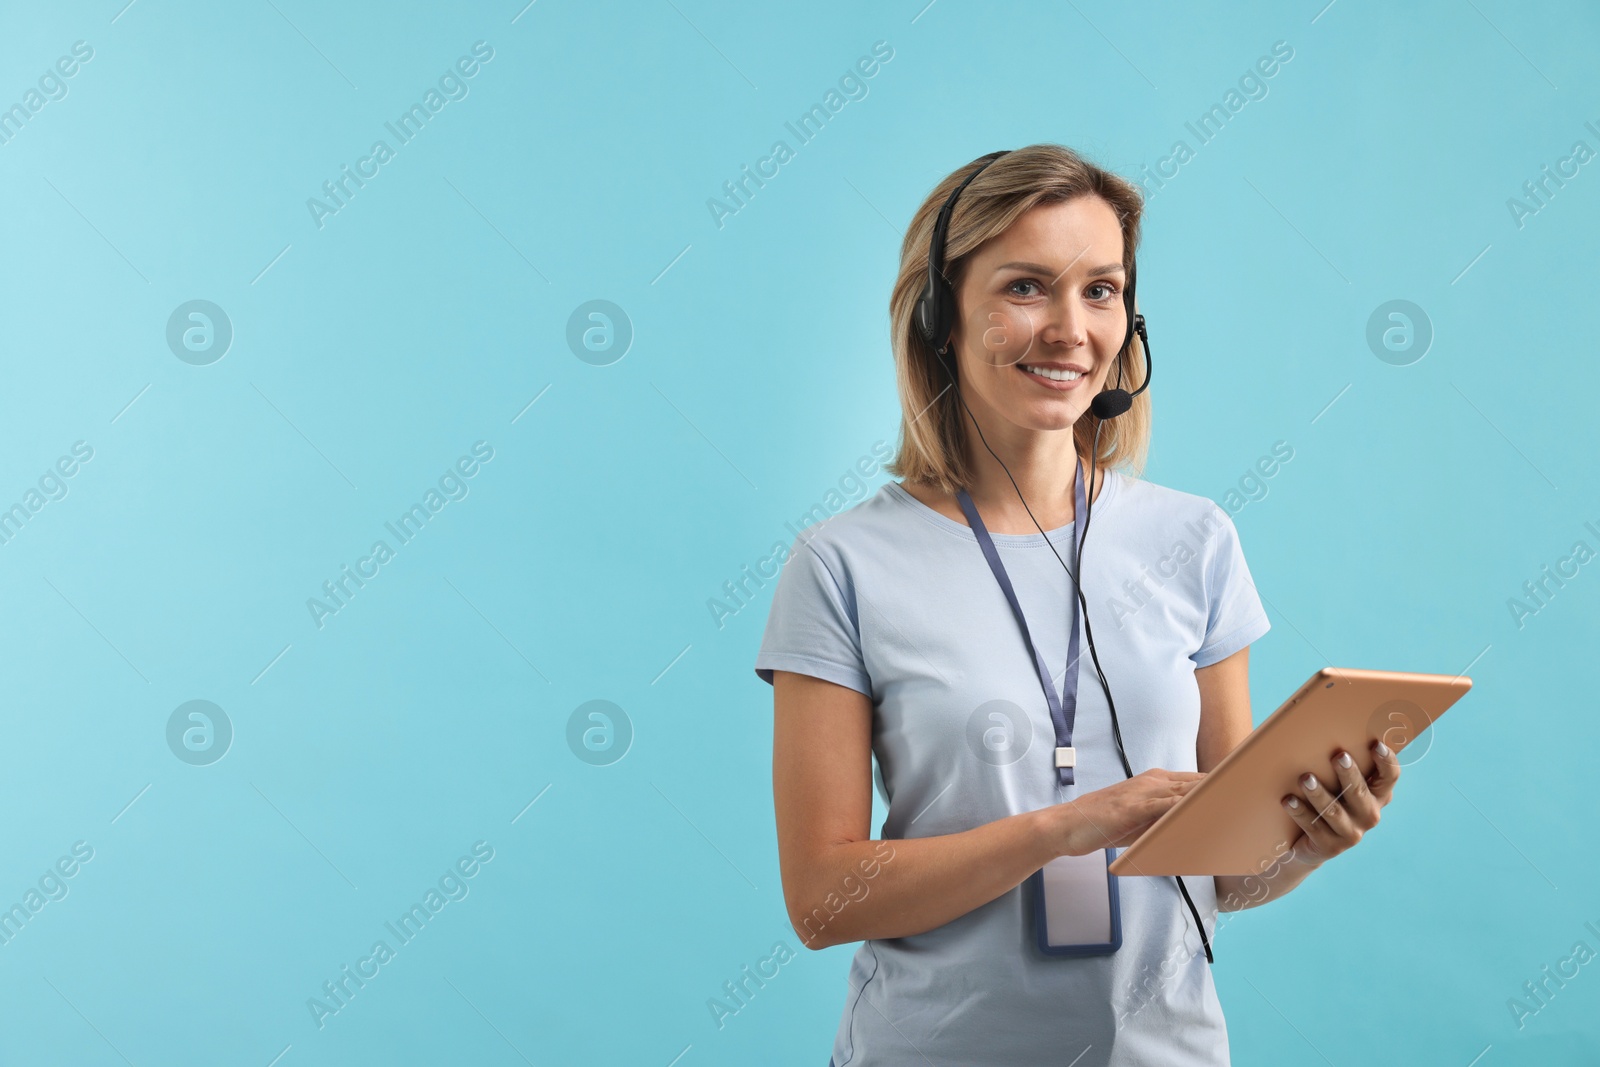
pixel 892 635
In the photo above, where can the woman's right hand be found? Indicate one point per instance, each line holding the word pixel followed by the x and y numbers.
pixel 1116 815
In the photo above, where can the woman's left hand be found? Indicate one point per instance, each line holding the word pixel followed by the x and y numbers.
pixel 1333 819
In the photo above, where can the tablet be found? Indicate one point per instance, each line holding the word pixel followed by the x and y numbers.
pixel 1233 821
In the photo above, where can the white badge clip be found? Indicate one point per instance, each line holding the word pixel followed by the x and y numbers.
pixel 1066 757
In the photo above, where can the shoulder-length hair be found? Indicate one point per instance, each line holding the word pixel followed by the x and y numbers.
pixel 933 426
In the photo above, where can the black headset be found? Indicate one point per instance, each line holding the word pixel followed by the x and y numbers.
pixel 935 318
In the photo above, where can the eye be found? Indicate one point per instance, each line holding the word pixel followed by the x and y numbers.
pixel 1012 288
pixel 1111 290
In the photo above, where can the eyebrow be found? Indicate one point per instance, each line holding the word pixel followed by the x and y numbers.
pixel 1040 268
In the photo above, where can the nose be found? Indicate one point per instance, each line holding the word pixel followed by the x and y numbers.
pixel 1066 323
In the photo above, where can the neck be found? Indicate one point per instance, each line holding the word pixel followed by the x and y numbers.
pixel 1043 464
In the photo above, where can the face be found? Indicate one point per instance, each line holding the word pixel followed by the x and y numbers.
pixel 1046 295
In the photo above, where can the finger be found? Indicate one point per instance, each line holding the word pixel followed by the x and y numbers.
pixel 1330 809
pixel 1155 807
pixel 1176 776
pixel 1385 774
pixel 1316 842
pixel 1168 786
pixel 1353 792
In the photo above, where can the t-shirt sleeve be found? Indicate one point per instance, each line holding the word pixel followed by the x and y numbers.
pixel 1235 617
pixel 813 627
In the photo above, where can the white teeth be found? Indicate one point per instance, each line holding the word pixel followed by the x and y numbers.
pixel 1054 374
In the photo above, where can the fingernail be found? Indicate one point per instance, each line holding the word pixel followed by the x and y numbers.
pixel 1292 802
pixel 1344 759
pixel 1309 781
pixel 1383 749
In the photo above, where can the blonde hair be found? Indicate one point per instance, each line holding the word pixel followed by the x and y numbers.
pixel 933 433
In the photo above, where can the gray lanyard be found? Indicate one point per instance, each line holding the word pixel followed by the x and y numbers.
pixel 1062 711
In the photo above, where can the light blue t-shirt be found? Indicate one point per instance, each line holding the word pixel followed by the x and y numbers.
pixel 895 600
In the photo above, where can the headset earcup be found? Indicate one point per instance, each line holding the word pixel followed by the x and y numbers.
pixel 941 313
pixel 924 316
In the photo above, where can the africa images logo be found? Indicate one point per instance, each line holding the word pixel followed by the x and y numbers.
pixel 852 86
pixel 452 485
pixel 452 85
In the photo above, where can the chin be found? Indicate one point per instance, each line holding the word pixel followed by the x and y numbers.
pixel 1053 416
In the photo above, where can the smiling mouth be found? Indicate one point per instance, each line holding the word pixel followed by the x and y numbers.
pixel 1052 376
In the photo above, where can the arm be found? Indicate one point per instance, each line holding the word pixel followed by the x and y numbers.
pixel 1224 723
pixel 839 886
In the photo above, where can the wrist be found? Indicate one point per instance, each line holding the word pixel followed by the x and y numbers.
pixel 1062 827
pixel 1303 862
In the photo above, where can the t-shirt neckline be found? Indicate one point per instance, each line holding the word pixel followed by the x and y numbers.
pixel 1108 494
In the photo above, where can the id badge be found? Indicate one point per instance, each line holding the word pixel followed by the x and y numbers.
pixel 1077 907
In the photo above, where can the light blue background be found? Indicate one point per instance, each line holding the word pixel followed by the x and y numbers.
pixel 371 353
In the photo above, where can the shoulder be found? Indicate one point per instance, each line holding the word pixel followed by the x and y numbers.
pixel 836 536
pixel 828 555
pixel 1172 514
pixel 1151 496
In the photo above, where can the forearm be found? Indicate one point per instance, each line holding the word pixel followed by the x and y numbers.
pixel 1236 892
pixel 863 890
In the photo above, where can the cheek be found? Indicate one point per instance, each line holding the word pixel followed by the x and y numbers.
pixel 1006 333
pixel 1110 343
